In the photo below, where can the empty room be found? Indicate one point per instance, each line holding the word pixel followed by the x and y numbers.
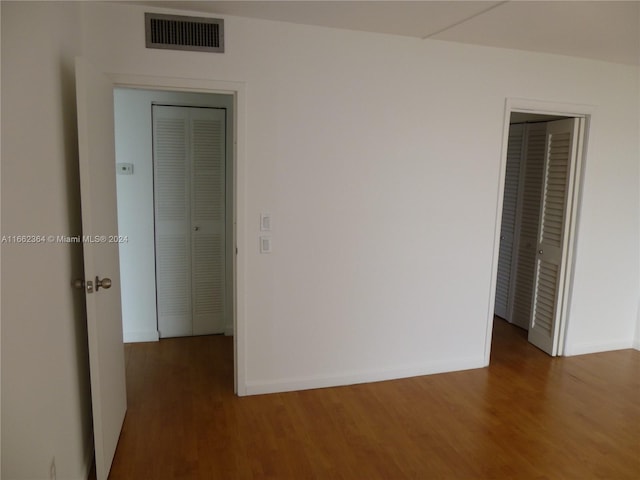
pixel 331 240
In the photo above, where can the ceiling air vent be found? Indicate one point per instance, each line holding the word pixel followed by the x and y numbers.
pixel 176 32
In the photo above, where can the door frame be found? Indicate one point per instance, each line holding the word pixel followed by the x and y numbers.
pixel 238 91
pixel 586 113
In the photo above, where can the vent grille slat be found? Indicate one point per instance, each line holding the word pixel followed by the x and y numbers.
pixel 176 32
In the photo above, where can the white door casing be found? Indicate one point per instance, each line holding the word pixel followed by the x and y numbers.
pixel 235 174
pixel 553 239
pixel 94 92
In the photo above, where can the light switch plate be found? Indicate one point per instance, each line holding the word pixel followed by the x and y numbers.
pixel 265 244
pixel 265 222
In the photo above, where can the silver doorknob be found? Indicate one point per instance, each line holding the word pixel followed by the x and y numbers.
pixel 78 283
pixel 104 283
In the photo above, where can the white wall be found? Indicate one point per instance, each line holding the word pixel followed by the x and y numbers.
pixel 135 203
pixel 378 157
pixel 46 409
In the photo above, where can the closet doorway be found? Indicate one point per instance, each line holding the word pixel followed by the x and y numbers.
pixel 174 159
pixel 539 209
pixel 189 203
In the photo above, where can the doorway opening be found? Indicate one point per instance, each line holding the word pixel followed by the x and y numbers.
pixel 175 192
pixel 533 266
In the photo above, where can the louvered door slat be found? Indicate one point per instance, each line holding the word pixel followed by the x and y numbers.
pixel 170 183
pixel 557 175
pixel 544 311
pixel 174 298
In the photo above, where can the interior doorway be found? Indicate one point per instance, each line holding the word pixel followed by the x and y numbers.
pixel 144 296
pixel 541 185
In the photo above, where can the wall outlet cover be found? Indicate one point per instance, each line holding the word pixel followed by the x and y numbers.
pixel 124 168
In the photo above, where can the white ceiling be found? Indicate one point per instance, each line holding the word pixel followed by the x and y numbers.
pixel 602 30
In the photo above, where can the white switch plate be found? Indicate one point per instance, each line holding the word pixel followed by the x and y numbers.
pixel 265 244
pixel 265 222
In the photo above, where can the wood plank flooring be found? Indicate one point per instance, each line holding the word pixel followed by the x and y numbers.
pixel 527 416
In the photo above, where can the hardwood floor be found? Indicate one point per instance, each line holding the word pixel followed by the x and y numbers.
pixel 527 416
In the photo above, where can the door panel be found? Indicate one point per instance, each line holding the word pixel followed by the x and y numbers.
pixel 529 214
pixel 171 208
pixel 94 93
pixel 560 152
pixel 208 219
pixel 508 228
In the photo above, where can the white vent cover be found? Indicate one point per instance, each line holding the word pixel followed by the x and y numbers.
pixel 176 32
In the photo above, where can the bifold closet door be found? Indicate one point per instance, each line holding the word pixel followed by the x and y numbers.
pixel 535 135
pixel 552 244
pixel 189 199
pixel 506 256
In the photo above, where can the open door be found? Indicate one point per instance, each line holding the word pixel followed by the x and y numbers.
pixel 507 258
pixel 94 92
pixel 553 233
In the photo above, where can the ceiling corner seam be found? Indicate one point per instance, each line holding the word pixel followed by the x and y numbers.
pixel 460 22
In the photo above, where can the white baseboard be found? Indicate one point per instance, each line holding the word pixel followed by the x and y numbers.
pixel 585 348
pixel 141 336
pixel 352 378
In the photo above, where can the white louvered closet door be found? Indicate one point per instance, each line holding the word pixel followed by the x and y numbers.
pixel 560 152
pixel 189 198
pixel 208 219
pixel 172 211
pixel 529 219
pixel 508 228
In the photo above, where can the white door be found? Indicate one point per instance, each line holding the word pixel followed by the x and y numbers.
pixel 506 257
pixel 528 222
pixel 94 93
pixel 208 218
pixel 550 264
pixel 190 215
